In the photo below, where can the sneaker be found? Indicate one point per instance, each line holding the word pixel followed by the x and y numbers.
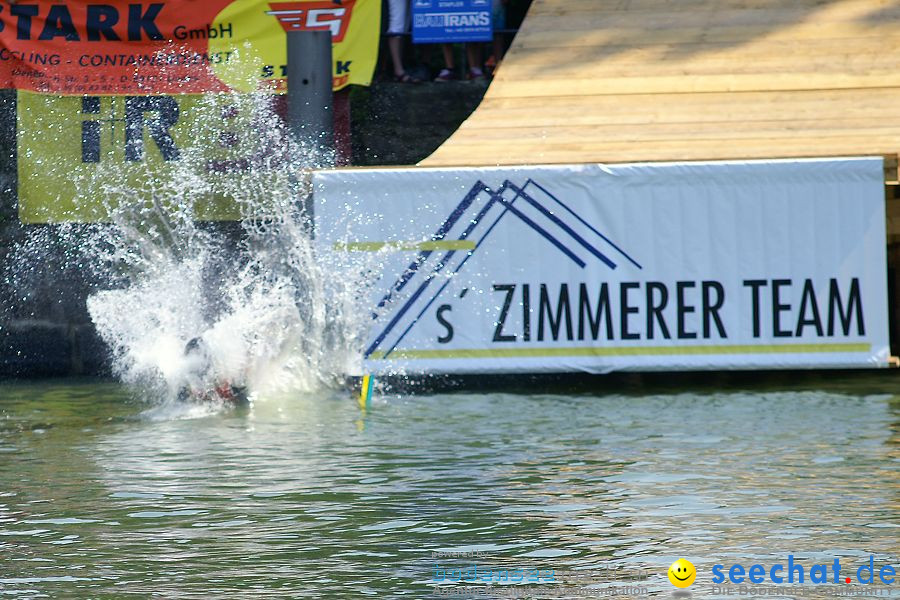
pixel 475 75
pixel 446 75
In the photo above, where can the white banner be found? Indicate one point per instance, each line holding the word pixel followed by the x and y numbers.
pixel 644 267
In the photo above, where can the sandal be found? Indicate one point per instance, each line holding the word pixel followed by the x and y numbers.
pixel 406 78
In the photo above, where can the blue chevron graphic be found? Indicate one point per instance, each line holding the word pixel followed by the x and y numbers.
pixel 532 204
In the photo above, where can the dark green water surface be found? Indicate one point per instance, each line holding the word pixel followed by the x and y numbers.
pixel 302 496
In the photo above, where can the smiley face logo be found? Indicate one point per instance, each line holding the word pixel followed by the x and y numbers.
pixel 682 573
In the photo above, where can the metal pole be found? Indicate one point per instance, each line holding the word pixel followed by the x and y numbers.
pixel 311 103
pixel 309 91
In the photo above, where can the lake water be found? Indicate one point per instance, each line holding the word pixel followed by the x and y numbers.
pixel 586 494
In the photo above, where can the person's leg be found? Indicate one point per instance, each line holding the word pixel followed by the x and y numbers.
pixel 449 70
pixel 473 52
pixel 396 27
pixel 499 47
pixel 447 49
pixel 394 45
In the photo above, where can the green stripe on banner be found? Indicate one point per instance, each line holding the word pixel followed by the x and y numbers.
pixel 625 351
pixel 417 246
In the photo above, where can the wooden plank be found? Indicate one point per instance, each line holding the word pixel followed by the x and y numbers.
pixel 870 98
pixel 760 22
pixel 525 53
pixel 534 51
pixel 498 113
pixel 709 147
pixel 758 70
pixel 509 88
pixel 726 57
pixel 637 36
pixel 710 16
pixel 549 7
pixel 734 131
pixel 473 152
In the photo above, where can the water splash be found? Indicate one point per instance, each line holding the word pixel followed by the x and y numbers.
pixel 271 314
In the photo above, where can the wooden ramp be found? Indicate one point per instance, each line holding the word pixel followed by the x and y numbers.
pixel 659 80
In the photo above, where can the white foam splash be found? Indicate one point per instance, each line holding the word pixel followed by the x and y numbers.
pixel 261 302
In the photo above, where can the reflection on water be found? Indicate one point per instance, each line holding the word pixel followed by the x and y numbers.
pixel 299 497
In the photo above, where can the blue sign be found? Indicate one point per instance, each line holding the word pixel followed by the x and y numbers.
pixel 447 21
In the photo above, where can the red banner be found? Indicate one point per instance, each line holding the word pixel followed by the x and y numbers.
pixel 174 46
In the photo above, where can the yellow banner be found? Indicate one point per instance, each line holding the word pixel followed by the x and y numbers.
pixel 78 157
pixel 354 25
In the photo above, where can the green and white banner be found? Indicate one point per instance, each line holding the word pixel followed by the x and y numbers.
pixel 642 267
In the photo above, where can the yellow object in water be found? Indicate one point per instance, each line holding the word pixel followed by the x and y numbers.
pixel 365 394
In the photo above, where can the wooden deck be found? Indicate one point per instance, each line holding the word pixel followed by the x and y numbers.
pixel 661 80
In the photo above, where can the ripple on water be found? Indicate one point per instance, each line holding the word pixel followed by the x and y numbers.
pixel 156 514
pixel 295 498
